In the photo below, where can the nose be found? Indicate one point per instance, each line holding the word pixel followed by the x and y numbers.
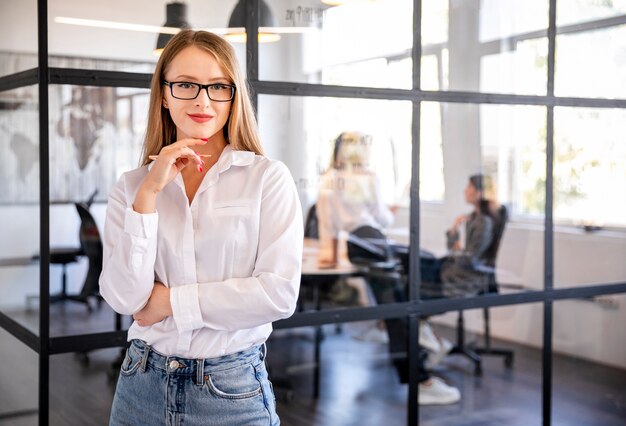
pixel 203 97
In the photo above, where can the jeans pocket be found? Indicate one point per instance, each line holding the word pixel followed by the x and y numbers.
pixel 131 362
pixel 234 383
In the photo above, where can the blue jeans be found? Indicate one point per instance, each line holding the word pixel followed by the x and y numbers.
pixel 155 389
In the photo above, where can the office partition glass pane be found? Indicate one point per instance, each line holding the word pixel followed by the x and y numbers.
pixel 19 205
pixel 572 12
pixel 506 144
pixel 602 72
pixel 353 44
pixel 122 36
pixel 589 361
pixel 589 196
pixel 18 44
pixel 18 382
pixel 487 46
pixel 96 134
pixel 303 132
pixel 507 392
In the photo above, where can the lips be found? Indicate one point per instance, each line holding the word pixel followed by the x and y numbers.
pixel 200 118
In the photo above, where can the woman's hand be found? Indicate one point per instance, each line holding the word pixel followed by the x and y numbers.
pixel 460 220
pixel 170 161
pixel 158 307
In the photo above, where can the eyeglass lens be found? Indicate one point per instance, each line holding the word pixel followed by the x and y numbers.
pixel 217 92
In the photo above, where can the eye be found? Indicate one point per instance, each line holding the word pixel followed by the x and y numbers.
pixel 185 85
pixel 219 86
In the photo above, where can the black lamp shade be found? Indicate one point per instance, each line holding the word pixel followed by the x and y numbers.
pixel 175 17
pixel 238 17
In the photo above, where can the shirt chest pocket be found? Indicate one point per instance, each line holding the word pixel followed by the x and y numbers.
pixel 232 230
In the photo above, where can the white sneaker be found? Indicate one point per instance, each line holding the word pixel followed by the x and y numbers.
pixel 427 337
pixel 434 358
pixel 437 392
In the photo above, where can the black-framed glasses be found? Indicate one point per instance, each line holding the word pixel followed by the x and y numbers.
pixel 218 92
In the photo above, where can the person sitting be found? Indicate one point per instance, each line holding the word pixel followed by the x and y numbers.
pixel 459 274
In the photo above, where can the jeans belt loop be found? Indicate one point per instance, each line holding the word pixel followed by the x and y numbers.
pixel 263 351
pixel 144 358
pixel 200 372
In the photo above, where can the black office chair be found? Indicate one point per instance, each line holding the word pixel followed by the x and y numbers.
pixel 66 255
pixel 91 245
pixel 474 353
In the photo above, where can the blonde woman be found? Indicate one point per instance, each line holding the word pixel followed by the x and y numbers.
pixel 202 246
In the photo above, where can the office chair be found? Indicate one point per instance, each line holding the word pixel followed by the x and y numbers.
pixel 474 353
pixel 64 256
pixel 91 245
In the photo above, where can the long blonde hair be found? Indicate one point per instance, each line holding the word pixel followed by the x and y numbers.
pixel 240 131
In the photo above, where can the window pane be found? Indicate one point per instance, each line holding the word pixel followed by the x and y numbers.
pixel 507 145
pixel 122 36
pixel 570 12
pixel 19 204
pixel 489 46
pixel 590 159
pixel 590 194
pixel 340 45
pixel 601 73
pixel 589 361
pixel 18 44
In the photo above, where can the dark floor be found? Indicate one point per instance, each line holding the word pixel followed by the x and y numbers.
pixel 358 384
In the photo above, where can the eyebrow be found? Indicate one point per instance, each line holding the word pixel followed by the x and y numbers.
pixel 211 80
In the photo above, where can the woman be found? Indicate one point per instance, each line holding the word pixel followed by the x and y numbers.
pixel 202 246
pixel 460 273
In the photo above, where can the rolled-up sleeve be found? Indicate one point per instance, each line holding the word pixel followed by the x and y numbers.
pixel 129 252
pixel 271 292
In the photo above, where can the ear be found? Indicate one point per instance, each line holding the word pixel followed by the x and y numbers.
pixel 165 103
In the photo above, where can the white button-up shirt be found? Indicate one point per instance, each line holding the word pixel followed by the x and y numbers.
pixel 349 199
pixel 231 259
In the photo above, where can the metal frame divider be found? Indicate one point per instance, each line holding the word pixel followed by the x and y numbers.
pixel 43 76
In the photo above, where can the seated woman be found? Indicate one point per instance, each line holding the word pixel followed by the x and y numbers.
pixel 459 274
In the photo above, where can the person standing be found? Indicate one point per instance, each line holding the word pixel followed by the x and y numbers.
pixel 202 246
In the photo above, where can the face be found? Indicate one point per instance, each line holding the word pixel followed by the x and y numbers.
pixel 199 117
pixel 472 195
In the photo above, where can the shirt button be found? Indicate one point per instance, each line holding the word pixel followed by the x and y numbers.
pixel 174 364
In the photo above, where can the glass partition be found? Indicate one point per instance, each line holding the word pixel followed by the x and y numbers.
pixel 123 36
pixel 589 361
pixel 485 46
pixel 498 396
pixel 352 44
pixel 18 382
pixel 589 196
pixel 600 75
pixel 308 133
pixel 19 205
pixel 96 134
pixel 506 145
pixel 18 44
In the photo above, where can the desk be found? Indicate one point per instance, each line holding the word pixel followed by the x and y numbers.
pixel 314 277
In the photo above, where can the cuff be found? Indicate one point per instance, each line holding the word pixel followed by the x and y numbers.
pixel 140 225
pixel 186 307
